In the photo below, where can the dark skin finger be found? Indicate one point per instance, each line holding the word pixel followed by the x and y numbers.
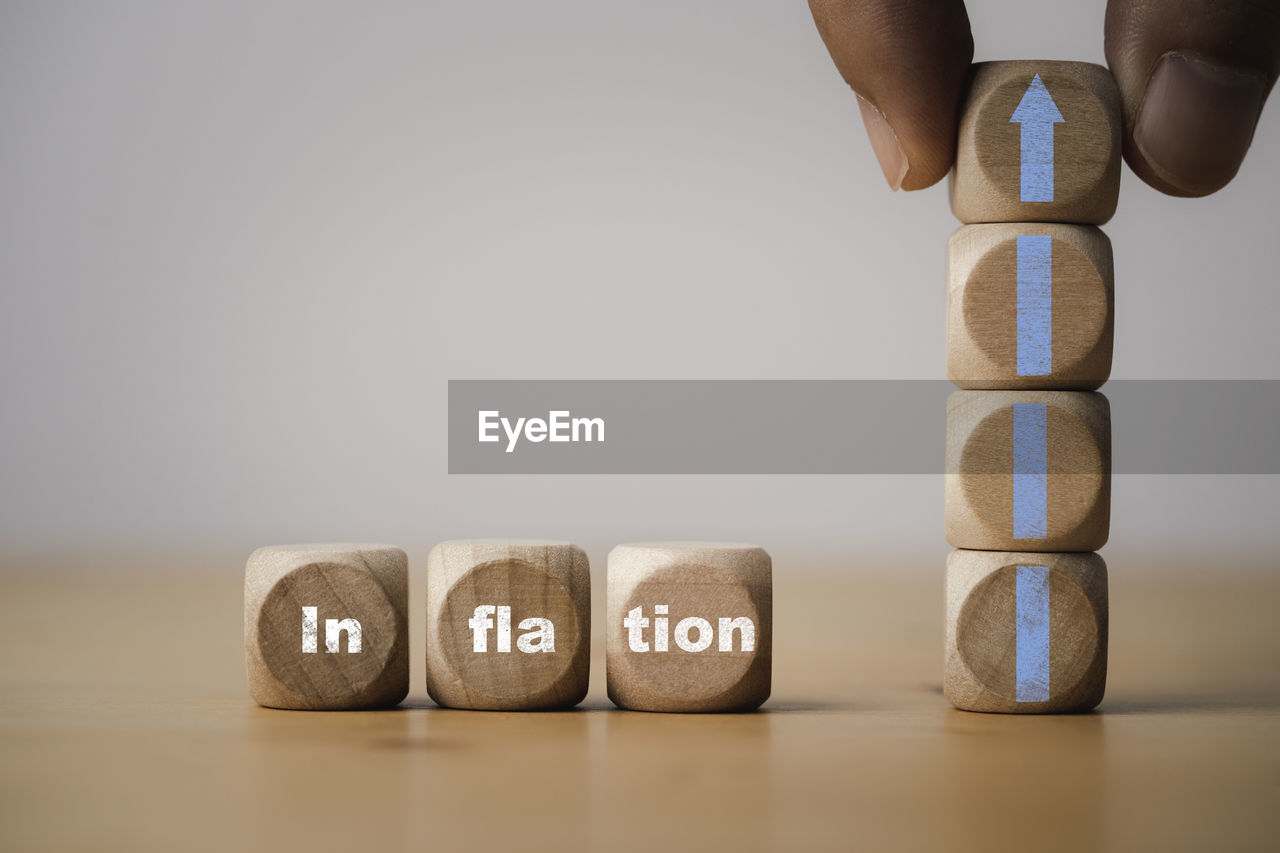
pixel 907 63
pixel 1193 75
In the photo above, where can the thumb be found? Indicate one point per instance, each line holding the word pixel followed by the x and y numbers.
pixel 1193 75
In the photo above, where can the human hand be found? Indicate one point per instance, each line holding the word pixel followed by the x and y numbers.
pixel 1193 76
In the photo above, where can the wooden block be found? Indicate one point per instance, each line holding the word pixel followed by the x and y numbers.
pixel 1028 470
pixel 1039 142
pixel 690 626
pixel 1029 306
pixel 326 626
pixel 508 624
pixel 1026 632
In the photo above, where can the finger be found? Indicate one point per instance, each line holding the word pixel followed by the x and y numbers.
pixel 907 62
pixel 1193 75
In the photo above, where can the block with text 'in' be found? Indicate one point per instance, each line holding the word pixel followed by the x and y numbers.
pixel 690 626
pixel 1028 470
pixel 1029 306
pixel 326 626
pixel 1026 631
pixel 508 624
pixel 1039 141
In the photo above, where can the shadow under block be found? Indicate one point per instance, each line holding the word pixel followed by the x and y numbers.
pixel 326 626
pixel 1039 141
pixel 1029 306
pixel 508 624
pixel 1028 470
pixel 690 626
pixel 1026 632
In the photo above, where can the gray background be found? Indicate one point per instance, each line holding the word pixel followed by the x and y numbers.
pixel 243 247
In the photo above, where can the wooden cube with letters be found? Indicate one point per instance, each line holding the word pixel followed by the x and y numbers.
pixel 690 626
pixel 326 627
pixel 508 624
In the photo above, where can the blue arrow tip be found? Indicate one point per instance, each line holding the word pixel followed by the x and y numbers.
pixel 1036 106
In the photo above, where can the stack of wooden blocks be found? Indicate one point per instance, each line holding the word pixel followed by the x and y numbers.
pixel 1029 339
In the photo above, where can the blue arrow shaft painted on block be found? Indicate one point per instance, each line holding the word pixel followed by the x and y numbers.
pixel 1036 115
pixel 1030 470
pixel 1035 306
pixel 1037 161
pixel 1033 634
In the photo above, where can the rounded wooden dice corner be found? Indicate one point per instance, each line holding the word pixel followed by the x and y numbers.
pixel 745 697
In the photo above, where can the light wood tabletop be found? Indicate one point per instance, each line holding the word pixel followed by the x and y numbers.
pixel 125 724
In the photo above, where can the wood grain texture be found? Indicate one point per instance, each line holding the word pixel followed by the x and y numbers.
pixel 985 184
pixel 982 615
pixel 537 580
pixel 982 307
pixel 704 587
pixel 367 666
pixel 980 478
pixel 124 726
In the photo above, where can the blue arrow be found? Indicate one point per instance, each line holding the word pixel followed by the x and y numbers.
pixel 1035 305
pixel 1032 649
pixel 1037 113
pixel 1030 470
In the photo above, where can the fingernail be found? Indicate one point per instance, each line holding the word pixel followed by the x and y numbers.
pixel 893 160
pixel 1196 121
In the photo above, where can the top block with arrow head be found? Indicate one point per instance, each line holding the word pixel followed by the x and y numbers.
pixel 1039 142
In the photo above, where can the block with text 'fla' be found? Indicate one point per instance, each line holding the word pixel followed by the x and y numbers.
pixel 1026 631
pixel 508 624
pixel 690 626
pixel 326 626
pixel 1029 306
pixel 1039 141
pixel 1028 470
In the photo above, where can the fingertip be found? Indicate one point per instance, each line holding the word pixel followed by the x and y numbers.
pixel 1194 76
pixel 884 142
pixel 1195 122
pixel 915 148
pixel 907 63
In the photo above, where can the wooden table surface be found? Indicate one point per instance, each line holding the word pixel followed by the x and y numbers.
pixel 125 725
